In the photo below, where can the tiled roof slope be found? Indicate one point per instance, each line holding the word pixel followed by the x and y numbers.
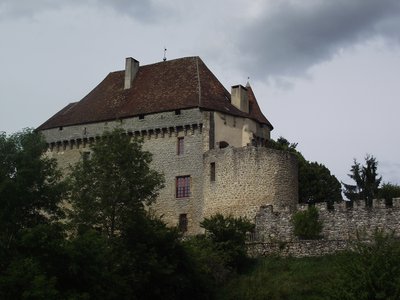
pixel 164 86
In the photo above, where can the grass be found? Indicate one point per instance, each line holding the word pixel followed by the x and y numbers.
pixel 284 278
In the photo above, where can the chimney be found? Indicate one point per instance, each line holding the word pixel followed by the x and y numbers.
pixel 131 68
pixel 239 98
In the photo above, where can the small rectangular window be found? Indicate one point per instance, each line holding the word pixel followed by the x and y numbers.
pixel 182 186
pixel 180 146
pixel 86 155
pixel 212 171
pixel 141 117
pixel 183 222
pixel 177 112
pixel 60 128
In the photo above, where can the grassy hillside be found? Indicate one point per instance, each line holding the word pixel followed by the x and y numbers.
pixel 284 278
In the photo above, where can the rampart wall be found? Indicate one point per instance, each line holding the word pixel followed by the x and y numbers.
pixel 341 225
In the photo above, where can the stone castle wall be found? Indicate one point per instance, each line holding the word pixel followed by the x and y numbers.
pixel 160 133
pixel 305 248
pixel 167 162
pixel 341 225
pixel 247 178
pixel 239 132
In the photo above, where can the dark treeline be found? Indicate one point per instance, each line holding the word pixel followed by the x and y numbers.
pixel 89 236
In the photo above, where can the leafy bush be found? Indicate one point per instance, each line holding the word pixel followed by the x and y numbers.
pixel 370 271
pixel 229 236
pixel 277 278
pixel 219 253
pixel 210 263
pixel 307 224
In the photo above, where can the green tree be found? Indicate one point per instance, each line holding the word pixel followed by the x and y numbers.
pixel 307 224
pixel 366 179
pixel 228 235
pixel 37 265
pixel 370 271
pixel 388 191
pixel 31 240
pixel 31 189
pixel 282 144
pixel 316 183
pixel 109 194
pixel 113 185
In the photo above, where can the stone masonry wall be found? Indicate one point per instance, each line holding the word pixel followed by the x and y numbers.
pixel 248 178
pixel 297 248
pixel 341 225
pixel 150 123
pixel 167 162
pixel 238 132
pixel 160 134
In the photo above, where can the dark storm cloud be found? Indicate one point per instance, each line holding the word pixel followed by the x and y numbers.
pixel 139 9
pixel 289 37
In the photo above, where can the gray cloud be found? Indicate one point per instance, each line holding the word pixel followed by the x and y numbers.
pixel 390 171
pixel 289 37
pixel 143 10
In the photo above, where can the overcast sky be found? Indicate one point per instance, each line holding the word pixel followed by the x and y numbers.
pixel 325 73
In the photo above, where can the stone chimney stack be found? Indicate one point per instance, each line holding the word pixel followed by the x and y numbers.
pixel 131 68
pixel 239 98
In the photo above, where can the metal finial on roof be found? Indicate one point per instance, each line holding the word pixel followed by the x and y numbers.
pixel 248 81
pixel 165 54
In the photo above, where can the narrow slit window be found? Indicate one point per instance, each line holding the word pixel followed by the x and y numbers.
pixel 180 146
pixel 212 171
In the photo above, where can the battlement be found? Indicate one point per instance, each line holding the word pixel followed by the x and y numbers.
pixel 340 222
pixel 359 205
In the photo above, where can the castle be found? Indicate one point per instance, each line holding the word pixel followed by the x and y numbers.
pixel 208 143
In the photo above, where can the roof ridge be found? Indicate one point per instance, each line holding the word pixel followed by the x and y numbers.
pixel 181 83
pixel 172 60
pixel 160 62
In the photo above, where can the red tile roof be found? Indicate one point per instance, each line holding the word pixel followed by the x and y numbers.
pixel 165 86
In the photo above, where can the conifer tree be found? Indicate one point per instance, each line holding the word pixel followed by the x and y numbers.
pixel 366 180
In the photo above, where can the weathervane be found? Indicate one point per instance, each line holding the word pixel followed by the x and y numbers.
pixel 165 54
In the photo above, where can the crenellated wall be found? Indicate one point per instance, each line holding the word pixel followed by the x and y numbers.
pixel 340 226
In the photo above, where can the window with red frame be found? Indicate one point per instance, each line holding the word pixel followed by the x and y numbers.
pixel 182 186
pixel 180 146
